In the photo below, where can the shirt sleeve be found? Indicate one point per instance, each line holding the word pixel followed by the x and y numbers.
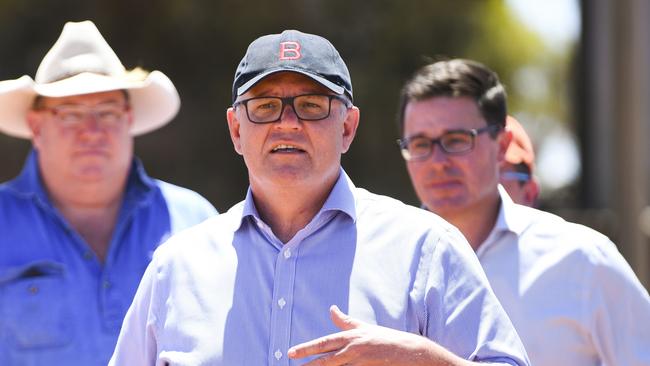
pixel 186 208
pixel 136 344
pixel 619 308
pixel 462 312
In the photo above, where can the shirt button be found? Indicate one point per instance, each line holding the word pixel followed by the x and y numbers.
pixel 287 253
pixel 278 355
pixel 106 284
pixel 281 302
pixel 88 256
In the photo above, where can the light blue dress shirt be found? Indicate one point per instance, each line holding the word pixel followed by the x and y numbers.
pixel 58 304
pixel 228 292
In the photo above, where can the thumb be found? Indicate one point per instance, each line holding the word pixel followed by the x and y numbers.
pixel 342 320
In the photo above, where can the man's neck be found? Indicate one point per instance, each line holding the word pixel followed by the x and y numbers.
pixel 288 210
pixel 476 222
pixel 90 208
pixel 95 224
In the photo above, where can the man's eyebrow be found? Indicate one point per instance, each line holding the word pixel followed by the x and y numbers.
pixel 107 102
pixel 419 134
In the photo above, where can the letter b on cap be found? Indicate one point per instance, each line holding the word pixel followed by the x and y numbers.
pixel 289 50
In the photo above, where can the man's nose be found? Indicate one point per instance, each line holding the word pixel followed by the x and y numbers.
pixel 289 118
pixel 438 154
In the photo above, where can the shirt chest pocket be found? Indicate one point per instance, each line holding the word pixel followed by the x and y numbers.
pixel 34 305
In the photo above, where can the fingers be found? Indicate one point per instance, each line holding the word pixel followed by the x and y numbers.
pixel 334 359
pixel 318 346
pixel 342 320
pixel 330 343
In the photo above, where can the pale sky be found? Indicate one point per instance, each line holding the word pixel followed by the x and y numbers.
pixel 557 21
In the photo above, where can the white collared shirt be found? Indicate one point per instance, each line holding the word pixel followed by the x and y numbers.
pixel 572 297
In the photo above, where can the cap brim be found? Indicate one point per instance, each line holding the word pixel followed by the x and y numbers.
pixel 319 79
pixel 154 100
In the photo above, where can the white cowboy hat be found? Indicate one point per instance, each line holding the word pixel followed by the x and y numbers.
pixel 81 62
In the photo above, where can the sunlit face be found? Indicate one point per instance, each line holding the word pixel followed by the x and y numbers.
pixel 291 151
pixel 85 137
pixel 451 184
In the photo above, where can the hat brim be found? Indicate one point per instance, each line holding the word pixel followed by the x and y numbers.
pixel 154 99
pixel 319 79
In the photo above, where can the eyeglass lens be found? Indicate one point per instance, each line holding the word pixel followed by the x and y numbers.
pixel 307 107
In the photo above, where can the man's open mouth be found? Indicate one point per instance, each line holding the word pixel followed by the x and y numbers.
pixel 287 149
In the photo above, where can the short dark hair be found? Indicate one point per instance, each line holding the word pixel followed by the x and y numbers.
pixel 457 78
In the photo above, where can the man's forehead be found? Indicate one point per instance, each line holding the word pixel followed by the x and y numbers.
pixel 279 81
pixel 443 112
pixel 94 98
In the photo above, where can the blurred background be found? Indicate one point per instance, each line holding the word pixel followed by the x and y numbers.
pixel 576 72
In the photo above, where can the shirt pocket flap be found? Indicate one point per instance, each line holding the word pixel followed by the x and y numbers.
pixel 35 305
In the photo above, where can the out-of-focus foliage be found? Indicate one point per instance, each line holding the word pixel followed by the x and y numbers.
pixel 198 44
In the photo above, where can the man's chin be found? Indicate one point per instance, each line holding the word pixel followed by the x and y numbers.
pixel 445 205
pixel 91 173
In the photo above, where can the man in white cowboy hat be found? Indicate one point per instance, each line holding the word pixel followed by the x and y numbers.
pixel 79 224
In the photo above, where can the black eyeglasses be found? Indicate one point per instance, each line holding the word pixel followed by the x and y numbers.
pixel 454 142
pixel 307 107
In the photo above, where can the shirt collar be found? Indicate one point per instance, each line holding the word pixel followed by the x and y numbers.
pixel 139 186
pixel 511 219
pixel 29 182
pixel 510 216
pixel 341 198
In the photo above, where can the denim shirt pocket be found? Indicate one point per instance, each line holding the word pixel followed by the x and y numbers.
pixel 34 305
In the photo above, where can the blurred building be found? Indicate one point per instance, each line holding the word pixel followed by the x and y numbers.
pixel 614 115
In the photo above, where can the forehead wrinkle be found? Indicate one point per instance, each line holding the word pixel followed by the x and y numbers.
pixel 286 84
pixel 86 99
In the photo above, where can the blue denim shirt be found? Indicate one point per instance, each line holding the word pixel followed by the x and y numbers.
pixel 58 303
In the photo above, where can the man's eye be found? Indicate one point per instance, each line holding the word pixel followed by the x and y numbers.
pixel 108 115
pixel 266 106
pixel 70 116
pixel 456 140
pixel 419 144
pixel 312 106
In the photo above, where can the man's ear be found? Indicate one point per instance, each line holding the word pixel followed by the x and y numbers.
pixel 34 121
pixel 130 119
pixel 233 127
pixel 503 139
pixel 531 191
pixel 350 125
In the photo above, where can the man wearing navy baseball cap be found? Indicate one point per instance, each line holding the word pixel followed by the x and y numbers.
pixel 309 269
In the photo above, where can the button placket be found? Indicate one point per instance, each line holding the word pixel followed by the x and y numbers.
pixel 282 295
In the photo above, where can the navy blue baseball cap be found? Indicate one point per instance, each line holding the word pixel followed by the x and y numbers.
pixel 294 51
